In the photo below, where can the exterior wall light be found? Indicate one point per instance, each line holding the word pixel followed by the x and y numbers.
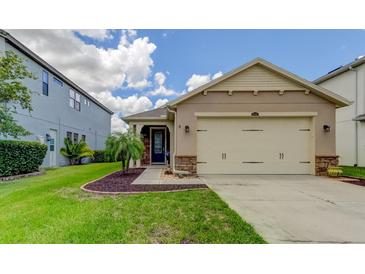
pixel 187 129
pixel 326 128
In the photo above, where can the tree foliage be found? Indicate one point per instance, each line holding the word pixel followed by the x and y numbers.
pixel 124 146
pixel 75 152
pixel 12 91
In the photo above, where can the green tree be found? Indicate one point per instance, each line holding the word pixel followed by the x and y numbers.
pixel 13 91
pixel 75 152
pixel 124 146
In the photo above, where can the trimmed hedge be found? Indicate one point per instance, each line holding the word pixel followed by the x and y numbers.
pixel 99 156
pixel 20 157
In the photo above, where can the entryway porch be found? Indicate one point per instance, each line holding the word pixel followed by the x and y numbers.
pixel 158 139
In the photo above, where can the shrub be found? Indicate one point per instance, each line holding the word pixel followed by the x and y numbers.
pixel 99 156
pixel 334 171
pixel 20 157
pixel 76 151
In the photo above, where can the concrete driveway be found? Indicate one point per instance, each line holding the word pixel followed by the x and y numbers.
pixel 295 209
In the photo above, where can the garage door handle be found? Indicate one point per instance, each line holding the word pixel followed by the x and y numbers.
pixel 201 162
pixel 305 162
pixel 252 162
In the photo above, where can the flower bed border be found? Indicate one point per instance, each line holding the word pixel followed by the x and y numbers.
pixel 83 187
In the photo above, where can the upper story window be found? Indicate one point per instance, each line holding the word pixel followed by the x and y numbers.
pixel 58 81
pixel 83 137
pixel 45 82
pixel 75 100
pixel 76 137
pixel 69 135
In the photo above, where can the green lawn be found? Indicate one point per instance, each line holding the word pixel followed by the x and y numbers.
pixel 52 209
pixel 354 171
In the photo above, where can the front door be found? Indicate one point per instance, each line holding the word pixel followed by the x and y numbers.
pixel 158 146
pixel 52 148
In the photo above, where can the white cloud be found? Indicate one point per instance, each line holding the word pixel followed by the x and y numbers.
pixel 118 124
pixel 197 80
pixel 95 69
pixel 217 75
pixel 127 106
pixel 162 91
pixel 160 102
pixel 160 78
pixel 160 88
pixel 97 34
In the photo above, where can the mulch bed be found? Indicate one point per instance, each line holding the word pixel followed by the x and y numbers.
pixel 353 180
pixel 118 182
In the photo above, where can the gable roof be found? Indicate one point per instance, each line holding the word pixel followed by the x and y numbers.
pixel 26 51
pixel 358 61
pixel 155 114
pixel 320 91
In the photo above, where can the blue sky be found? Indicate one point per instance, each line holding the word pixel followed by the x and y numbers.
pixel 135 70
pixel 308 53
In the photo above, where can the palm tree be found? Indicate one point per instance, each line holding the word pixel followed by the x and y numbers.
pixel 76 151
pixel 124 146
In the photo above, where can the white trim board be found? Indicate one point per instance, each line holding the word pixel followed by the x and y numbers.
pixel 260 114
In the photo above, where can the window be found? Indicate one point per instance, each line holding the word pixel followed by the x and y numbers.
pixel 58 81
pixel 45 82
pixel 83 137
pixel 69 135
pixel 76 137
pixel 75 100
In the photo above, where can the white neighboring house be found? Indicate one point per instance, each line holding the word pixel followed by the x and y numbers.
pixel 349 82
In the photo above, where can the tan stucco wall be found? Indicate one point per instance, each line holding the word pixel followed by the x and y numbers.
pixel 245 101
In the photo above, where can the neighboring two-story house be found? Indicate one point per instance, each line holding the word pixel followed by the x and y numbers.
pixel 60 107
pixel 349 82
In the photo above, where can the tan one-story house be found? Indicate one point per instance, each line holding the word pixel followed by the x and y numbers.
pixel 256 119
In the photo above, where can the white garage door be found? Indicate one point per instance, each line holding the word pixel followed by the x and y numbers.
pixel 254 145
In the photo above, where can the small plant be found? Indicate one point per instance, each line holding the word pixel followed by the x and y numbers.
pixel 334 171
pixel 75 152
pixel 124 146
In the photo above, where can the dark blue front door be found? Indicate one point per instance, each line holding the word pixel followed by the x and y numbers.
pixel 158 146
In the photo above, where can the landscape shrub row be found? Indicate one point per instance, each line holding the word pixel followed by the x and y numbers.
pixel 20 157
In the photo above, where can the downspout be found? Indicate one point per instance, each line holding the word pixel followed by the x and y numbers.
pixel 174 154
pixel 356 122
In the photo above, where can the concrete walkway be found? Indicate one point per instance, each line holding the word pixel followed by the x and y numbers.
pixel 295 209
pixel 152 176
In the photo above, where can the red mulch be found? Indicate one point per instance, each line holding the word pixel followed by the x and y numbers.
pixel 352 180
pixel 122 182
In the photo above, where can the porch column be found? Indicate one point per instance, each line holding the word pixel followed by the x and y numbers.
pixel 138 132
pixel 170 126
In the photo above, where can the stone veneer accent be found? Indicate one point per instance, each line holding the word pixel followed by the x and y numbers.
pixel 186 163
pixel 323 162
pixel 146 154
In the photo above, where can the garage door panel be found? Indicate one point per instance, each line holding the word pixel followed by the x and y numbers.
pixel 254 145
